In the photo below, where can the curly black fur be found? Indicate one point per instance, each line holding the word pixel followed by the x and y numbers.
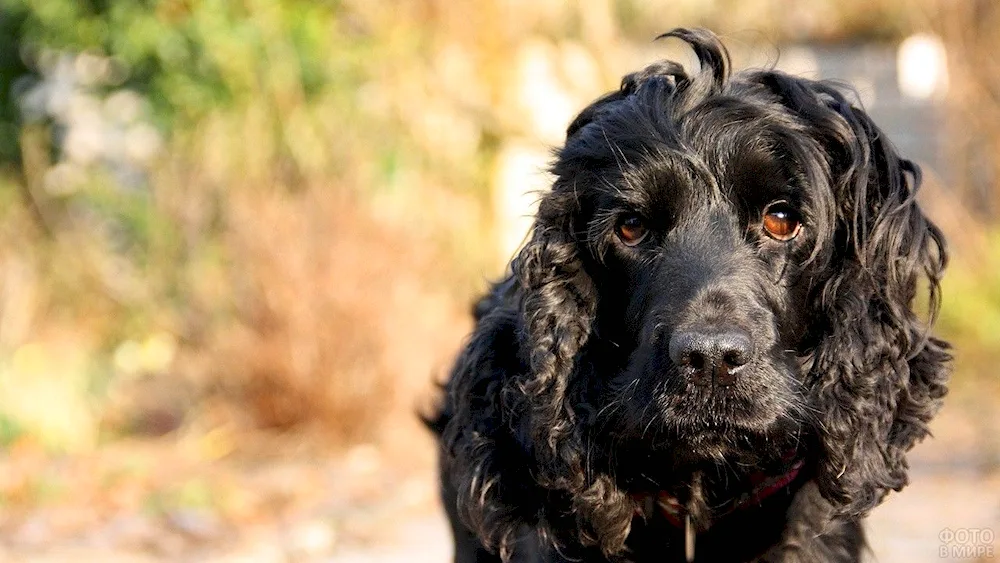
pixel 569 405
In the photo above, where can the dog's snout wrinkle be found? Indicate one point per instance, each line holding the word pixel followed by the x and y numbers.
pixel 712 355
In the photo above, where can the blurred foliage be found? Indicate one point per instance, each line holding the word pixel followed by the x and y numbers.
pixel 970 313
pixel 12 67
pixel 973 312
pixel 969 30
pixel 311 207
pixel 228 274
pixel 190 57
pixel 817 21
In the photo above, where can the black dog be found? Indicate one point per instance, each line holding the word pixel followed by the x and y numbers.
pixel 708 349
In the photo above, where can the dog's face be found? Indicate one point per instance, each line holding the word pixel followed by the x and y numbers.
pixel 701 230
pixel 723 273
pixel 698 238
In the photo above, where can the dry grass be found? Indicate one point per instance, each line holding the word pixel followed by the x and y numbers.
pixel 337 316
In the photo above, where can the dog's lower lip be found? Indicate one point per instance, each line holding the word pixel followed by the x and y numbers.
pixel 718 427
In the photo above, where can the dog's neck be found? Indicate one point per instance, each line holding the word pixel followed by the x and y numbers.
pixel 696 511
pixel 698 505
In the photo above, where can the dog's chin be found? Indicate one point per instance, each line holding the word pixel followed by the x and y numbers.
pixel 678 441
pixel 672 454
pixel 712 438
pixel 697 443
pixel 727 413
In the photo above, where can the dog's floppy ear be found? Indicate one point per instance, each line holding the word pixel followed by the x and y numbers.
pixel 557 301
pixel 513 437
pixel 484 465
pixel 878 376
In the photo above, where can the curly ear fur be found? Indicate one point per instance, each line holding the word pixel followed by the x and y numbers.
pixel 557 301
pixel 492 489
pixel 558 305
pixel 512 398
pixel 877 377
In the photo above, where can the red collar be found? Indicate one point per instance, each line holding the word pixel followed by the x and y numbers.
pixel 675 512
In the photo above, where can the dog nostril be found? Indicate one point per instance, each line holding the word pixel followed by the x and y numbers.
pixel 734 358
pixel 695 360
pixel 734 348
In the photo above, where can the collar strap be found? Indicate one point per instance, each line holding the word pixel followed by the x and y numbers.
pixel 675 512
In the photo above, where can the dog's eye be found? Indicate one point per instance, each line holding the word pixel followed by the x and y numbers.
pixel 631 230
pixel 781 221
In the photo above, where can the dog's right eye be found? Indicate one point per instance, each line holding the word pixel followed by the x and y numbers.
pixel 781 222
pixel 631 230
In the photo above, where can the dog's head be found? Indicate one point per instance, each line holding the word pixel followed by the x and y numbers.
pixel 724 271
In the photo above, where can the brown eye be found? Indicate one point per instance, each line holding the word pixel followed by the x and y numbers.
pixel 781 221
pixel 631 230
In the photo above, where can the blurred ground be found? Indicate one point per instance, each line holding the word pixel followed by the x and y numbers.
pixel 270 501
pixel 373 503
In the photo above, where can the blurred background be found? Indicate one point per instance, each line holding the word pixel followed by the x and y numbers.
pixel 239 240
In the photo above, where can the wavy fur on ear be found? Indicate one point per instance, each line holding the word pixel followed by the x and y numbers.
pixel 486 465
pixel 557 301
pixel 517 401
pixel 878 378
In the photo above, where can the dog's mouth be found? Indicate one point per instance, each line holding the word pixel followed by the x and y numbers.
pixel 746 407
pixel 716 436
pixel 699 422
pixel 669 444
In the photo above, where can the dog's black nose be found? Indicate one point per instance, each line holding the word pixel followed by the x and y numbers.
pixel 711 355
